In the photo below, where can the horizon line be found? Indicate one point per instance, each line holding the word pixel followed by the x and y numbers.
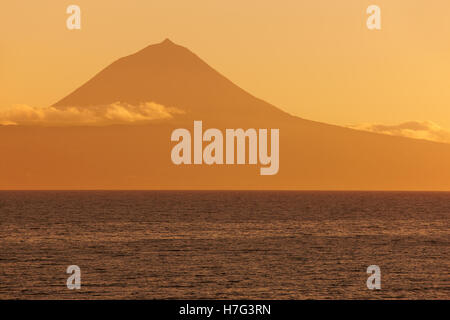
pixel 227 190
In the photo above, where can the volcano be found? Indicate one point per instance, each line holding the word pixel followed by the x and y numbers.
pixel 170 75
pixel 313 155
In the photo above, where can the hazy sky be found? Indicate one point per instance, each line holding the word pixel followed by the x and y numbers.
pixel 315 59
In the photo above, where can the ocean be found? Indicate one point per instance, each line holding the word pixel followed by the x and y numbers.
pixel 224 244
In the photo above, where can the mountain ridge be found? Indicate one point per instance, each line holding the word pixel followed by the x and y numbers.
pixel 313 155
pixel 171 75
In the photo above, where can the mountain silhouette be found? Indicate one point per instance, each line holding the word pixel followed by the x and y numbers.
pixel 313 155
pixel 170 75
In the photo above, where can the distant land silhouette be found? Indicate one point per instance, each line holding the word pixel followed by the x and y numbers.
pixel 313 155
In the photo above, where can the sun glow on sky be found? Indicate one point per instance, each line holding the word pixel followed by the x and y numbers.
pixel 315 59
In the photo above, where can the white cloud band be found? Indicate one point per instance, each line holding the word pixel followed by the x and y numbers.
pixel 116 113
pixel 427 130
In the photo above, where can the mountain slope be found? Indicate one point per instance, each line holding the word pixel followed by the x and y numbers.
pixel 312 155
pixel 173 76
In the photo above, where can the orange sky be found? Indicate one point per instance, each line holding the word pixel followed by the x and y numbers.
pixel 315 59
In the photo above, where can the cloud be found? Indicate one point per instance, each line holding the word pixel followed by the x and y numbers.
pixel 427 130
pixel 116 113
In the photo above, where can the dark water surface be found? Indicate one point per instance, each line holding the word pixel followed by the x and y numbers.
pixel 228 245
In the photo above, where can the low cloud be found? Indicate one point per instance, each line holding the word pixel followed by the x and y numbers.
pixel 427 130
pixel 116 113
